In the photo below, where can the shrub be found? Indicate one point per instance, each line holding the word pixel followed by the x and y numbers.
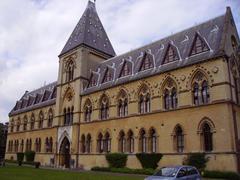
pixel 30 156
pixel 197 160
pixel 149 161
pixel 222 175
pixel 116 160
pixel 20 157
pixel 37 165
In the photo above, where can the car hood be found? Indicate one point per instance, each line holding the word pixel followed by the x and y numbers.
pixel 159 177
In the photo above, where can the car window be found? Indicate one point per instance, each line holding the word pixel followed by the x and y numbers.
pixel 182 172
pixel 167 172
pixel 192 171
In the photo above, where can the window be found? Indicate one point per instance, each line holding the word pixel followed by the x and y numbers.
pixel 130 142
pixel 32 122
pixel 122 142
pixel 171 55
pixel 199 46
pixel 88 111
pixel 70 71
pixel 41 118
pixel 104 108
pixel 147 62
pixel 22 146
pixel 122 104
pixel 234 43
pixel 93 81
pixel 83 144
pixel 100 143
pixel 47 145
pixel 170 95
pixel 144 101
pixel 200 90
pixel 29 145
pixel 12 126
pixel 38 144
pixel 153 141
pixel 107 143
pixel 108 76
pixel 179 139
pixel 18 125
pixel 207 137
pixel 143 141
pixel 25 123
pixel 126 69
pixel 88 143
pixel 68 116
pixel 50 118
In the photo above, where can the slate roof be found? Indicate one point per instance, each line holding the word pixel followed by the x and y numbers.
pixel 212 32
pixel 90 32
pixel 41 97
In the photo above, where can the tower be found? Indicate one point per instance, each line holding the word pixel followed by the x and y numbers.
pixel 87 46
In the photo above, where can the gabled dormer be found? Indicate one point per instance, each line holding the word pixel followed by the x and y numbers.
pixel 93 81
pixel 126 69
pixel 199 45
pixel 147 62
pixel 171 54
pixel 108 75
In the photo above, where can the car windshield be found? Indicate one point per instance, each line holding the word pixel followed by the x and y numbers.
pixel 167 172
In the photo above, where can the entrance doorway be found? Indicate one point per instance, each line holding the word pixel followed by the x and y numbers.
pixel 65 153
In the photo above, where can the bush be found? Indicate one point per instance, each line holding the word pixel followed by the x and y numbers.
pixel 222 175
pixel 37 165
pixel 124 170
pixel 197 160
pixel 30 156
pixel 149 161
pixel 116 160
pixel 20 157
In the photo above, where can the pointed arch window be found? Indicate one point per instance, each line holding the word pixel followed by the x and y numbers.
pixel 25 122
pixel 147 62
pixel 104 108
pixel 88 143
pixel 83 144
pixel 100 143
pixel 68 116
pixel 108 76
pixel 41 118
pixel 153 141
pixel 18 125
pixel 171 55
pixel 143 141
pixel 47 145
pixel 130 141
pixel 205 92
pixel 170 95
pixel 70 71
pixel 126 69
pixel 88 111
pixel 122 104
pixel 22 146
pixel 207 137
pixel 107 143
pixel 122 142
pixel 199 45
pixel 179 138
pixel 144 101
pixel 50 118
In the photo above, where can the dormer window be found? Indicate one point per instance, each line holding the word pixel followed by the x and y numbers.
pixel 171 55
pixel 126 69
pixel 147 62
pixel 108 76
pixel 93 81
pixel 199 45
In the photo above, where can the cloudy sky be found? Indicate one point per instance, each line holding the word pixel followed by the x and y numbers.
pixel 33 33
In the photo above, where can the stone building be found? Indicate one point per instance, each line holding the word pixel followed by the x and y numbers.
pixel 175 96
pixel 3 139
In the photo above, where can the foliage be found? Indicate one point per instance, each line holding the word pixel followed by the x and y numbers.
pixel 124 170
pixel 197 160
pixel 30 156
pixel 222 175
pixel 149 161
pixel 116 160
pixel 20 157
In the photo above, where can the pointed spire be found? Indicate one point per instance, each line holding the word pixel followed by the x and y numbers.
pixel 90 32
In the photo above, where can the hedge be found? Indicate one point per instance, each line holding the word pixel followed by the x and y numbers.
pixel 197 160
pixel 26 162
pixel 124 170
pixel 221 175
pixel 149 161
pixel 30 156
pixel 20 157
pixel 116 160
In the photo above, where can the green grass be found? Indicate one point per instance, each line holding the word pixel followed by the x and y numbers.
pixel 30 173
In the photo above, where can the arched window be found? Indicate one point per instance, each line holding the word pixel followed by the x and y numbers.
pixel 166 99
pixel 50 144
pixel 68 116
pixel 170 95
pixel 22 146
pixel 25 121
pixel 88 111
pixel 100 143
pixel 179 138
pixel 18 125
pixel 207 137
pixel 50 118
pixel 122 142
pixel 70 71
pixel 107 143
pixel 122 104
pixel 143 141
pixel 12 126
pixel 144 101
pixel 88 143
pixel 30 145
pixel 38 144
pixel 200 89
pixel 104 108
pixel 83 144
pixel 130 141
pixel 41 118
pixel 47 145
pixel 32 122
pixel 16 144
pixel 153 141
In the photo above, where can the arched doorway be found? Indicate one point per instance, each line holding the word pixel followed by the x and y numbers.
pixel 65 153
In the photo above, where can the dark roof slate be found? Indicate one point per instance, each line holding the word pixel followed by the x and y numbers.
pixel 90 32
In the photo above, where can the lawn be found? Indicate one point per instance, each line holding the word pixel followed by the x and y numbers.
pixel 30 173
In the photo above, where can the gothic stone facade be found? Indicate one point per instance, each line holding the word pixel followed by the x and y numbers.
pixel 176 96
